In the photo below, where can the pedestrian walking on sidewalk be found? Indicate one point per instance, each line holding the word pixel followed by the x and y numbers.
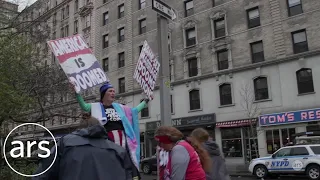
pixel 120 121
pixel 187 159
pixel 87 154
pixel 219 169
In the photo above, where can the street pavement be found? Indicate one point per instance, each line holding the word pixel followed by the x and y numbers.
pixel 154 177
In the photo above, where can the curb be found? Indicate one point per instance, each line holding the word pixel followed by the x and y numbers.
pixel 241 175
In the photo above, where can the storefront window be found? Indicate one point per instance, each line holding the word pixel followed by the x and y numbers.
pixel 313 126
pixel 273 138
pixel 231 142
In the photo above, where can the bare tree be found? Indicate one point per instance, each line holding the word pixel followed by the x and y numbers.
pixel 252 111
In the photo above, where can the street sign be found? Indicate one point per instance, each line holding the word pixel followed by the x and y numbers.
pixel 164 9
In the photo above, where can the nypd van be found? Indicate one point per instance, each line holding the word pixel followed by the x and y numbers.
pixel 297 159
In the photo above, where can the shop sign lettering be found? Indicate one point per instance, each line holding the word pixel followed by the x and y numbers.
pixel 290 117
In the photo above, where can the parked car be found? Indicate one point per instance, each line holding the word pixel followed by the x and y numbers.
pixel 149 164
pixel 297 159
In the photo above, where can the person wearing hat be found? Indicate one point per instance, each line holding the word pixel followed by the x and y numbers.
pixel 120 121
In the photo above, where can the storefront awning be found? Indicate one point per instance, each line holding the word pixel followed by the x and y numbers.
pixel 236 123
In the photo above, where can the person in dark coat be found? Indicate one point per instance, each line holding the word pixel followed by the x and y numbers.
pixel 219 169
pixel 87 154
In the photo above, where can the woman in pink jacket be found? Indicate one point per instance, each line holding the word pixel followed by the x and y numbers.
pixel 187 159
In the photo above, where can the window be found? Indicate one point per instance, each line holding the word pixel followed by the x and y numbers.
pixel 225 94
pixel 106 64
pixel 121 11
pixel 169 42
pixel 220 30
pixel 122 85
pixel 294 7
pixel 87 19
pixel 75 26
pixel 145 111
pixel 287 136
pixel 67 11
pixel 66 29
pixel 105 41
pixel 143 26
pixel 189 8
pixel 121 60
pixel 62 32
pixel 300 43
pixel 305 81
pixel 140 49
pixel 104 1
pixel 223 62
pixel 171 101
pixel 283 152
pixel 274 142
pixel 121 34
pixel 170 71
pixel 257 53
pixel 315 149
pixel 194 98
pixel 105 18
pixel 253 17
pixel 191 37
pixel 299 151
pixel 261 88
pixel 62 13
pixel 231 142
pixel 76 6
pixel 142 4
pixel 54 19
pixel 193 67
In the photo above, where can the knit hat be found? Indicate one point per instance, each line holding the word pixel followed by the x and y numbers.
pixel 104 88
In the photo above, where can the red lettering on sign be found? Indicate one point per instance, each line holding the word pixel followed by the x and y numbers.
pixel 318 114
pixel 290 117
pixel 281 118
pixel 311 115
pixel 304 115
pixel 272 119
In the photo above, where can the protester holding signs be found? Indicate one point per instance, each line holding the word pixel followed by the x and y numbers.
pixel 187 159
pixel 120 121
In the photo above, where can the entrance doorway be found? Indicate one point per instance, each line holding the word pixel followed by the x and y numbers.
pixel 250 143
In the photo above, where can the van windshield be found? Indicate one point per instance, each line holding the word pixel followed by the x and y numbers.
pixel 315 149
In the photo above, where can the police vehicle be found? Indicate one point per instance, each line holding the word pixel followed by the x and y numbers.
pixel 296 159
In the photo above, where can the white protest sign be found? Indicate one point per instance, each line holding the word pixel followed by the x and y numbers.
pixel 147 70
pixel 78 62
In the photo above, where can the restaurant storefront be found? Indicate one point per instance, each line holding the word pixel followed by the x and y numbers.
pixel 238 140
pixel 279 129
pixel 185 125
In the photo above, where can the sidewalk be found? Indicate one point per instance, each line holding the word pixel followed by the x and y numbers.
pixel 238 170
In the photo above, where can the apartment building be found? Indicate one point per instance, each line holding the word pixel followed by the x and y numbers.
pixel 226 59
pixel 57 18
pixel 7 12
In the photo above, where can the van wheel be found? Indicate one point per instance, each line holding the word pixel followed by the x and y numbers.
pixel 260 171
pixel 313 172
